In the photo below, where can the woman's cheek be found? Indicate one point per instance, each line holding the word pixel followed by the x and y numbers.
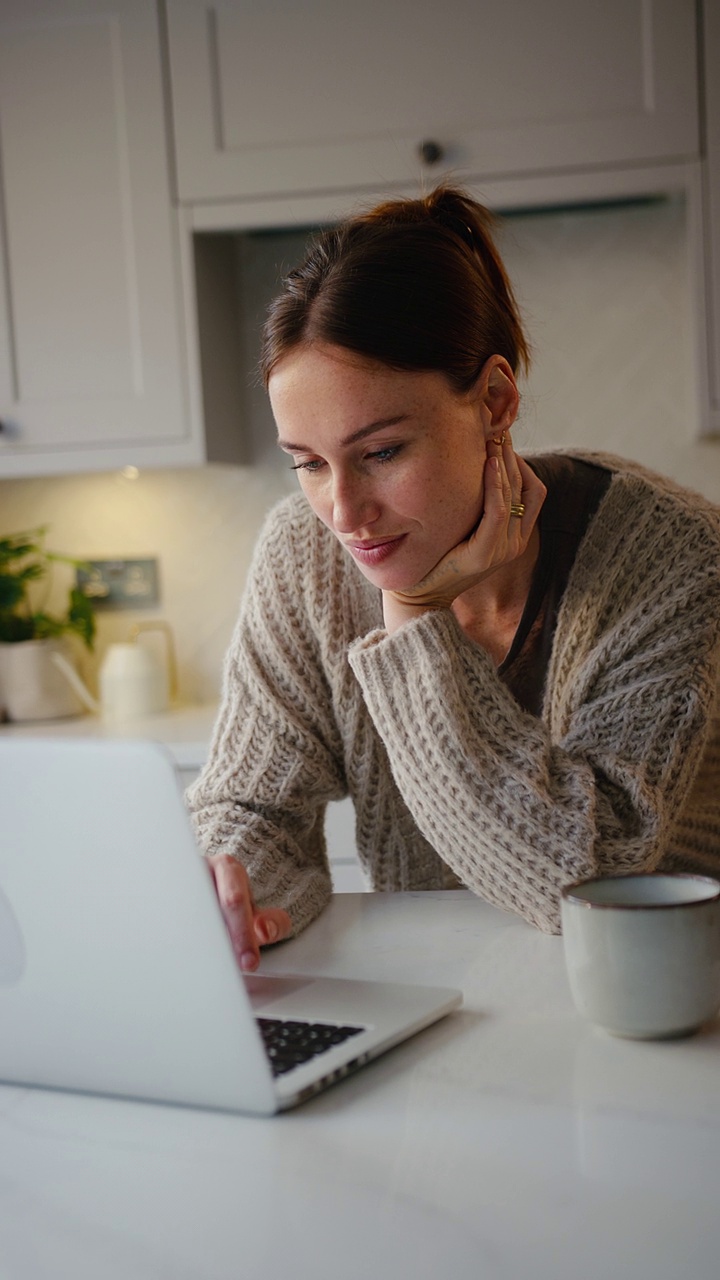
pixel 463 516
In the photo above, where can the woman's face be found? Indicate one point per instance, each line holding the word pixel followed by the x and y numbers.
pixel 392 462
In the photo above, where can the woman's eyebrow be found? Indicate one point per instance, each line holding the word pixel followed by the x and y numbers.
pixel 360 434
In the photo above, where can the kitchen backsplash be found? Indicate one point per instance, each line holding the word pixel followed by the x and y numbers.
pixel 608 306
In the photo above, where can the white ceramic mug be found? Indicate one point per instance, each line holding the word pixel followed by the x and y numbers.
pixel 643 952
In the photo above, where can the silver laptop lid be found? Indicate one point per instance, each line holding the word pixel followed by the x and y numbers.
pixel 110 936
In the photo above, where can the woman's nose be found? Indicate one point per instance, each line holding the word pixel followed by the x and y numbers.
pixel 353 505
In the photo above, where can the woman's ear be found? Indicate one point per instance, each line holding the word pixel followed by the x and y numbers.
pixel 498 396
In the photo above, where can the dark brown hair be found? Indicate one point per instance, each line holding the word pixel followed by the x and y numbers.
pixel 415 284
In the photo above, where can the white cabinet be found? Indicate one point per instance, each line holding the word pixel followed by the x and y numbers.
pixel 279 98
pixel 92 350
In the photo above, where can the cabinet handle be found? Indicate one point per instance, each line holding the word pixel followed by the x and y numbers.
pixel 430 152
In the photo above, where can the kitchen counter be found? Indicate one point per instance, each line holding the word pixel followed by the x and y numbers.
pixel 511 1140
pixel 184 730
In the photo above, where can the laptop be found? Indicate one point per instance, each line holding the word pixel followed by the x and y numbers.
pixel 116 971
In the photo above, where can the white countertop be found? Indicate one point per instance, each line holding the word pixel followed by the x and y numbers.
pixel 512 1141
pixel 185 731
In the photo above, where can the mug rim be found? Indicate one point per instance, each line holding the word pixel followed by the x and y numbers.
pixel 569 892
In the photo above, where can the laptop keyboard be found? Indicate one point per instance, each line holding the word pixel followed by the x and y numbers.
pixel 289 1044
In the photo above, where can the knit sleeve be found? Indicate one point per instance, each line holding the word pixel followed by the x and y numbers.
pixel 519 806
pixel 275 758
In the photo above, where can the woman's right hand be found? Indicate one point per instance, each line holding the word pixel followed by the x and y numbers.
pixel 250 927
pixel 499 539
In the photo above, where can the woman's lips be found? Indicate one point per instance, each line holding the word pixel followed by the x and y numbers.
pixel 373 553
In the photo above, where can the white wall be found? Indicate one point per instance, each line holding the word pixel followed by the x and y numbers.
pixel 607 300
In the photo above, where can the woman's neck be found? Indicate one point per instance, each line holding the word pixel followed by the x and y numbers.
pixel 490 613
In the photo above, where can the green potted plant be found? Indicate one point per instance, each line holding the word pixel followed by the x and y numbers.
pixel 31 686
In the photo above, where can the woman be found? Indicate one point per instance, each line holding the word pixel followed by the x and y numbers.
pixel 509 665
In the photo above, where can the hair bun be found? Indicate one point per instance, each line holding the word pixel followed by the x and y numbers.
pixel 452 221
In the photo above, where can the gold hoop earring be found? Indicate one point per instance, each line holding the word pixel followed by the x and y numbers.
pixel 502 439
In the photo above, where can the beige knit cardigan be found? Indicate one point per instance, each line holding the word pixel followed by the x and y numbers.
pixel 452 783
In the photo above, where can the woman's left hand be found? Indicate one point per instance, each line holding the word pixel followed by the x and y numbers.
pixel 500 537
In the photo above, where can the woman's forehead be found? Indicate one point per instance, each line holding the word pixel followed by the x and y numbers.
pixel 327 361
pixel 327 371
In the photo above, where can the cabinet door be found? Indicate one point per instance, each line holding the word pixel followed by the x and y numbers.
pixel 272 97
pixel 91 366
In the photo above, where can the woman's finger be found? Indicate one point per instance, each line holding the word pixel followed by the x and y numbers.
pixel 511 462
pixel 532 496
pixel 236 904
pixel 497 496
pixel 272 924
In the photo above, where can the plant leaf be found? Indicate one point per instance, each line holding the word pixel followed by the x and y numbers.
pixel 46 627
pixel 11 592
pixel 23 560
pixel 17 545
pixel 81 616
pixel 14 628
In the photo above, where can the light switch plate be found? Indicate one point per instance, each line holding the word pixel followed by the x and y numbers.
pixel 120 584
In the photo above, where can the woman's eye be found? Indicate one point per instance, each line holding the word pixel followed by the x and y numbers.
pixel 314 464
pixel 378 455
pixel 387 454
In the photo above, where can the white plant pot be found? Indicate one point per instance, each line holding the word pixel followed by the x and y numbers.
pixel 31 686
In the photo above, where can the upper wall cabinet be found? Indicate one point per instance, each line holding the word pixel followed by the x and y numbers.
pixel 272 98
pixel 92 363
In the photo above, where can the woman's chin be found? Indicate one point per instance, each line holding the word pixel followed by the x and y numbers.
pixel 392 578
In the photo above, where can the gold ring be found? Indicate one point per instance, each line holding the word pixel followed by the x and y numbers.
pixel 502 439
pixel 517 509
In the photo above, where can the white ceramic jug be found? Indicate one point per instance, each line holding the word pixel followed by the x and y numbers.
pixel 31 687
pixel 133 681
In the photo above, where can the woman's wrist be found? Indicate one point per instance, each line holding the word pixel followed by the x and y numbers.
pixel 396 611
